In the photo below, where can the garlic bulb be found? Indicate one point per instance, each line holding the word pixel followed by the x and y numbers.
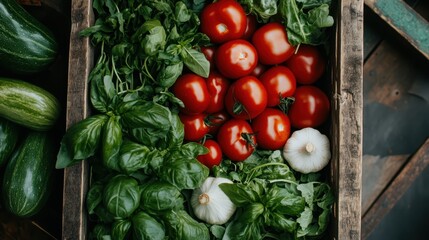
pixel 307 150
pixel 210 203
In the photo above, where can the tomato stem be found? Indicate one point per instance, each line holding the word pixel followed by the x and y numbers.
pixel 285 103
pixel 248 138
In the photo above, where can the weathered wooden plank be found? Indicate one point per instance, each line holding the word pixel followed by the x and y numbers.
pixel 377 173
pixel 407 22
pixel 375 28
pixel 418 162
pixel 80 63
pixel 347 118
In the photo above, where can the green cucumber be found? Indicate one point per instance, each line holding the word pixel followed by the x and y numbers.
pixel 27 177
pixel 26 45
pixel 9 134
pixel 28 105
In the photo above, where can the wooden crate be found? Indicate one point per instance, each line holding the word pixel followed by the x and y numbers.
pixel 345 129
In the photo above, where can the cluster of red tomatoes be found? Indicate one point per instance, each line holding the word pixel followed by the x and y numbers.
pixel 255 72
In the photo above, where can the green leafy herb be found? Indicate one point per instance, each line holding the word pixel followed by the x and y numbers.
pixel 282 204
pixel 306 22
pixel 81 141
pixel 147 227
pixel 263 9
pixel 121 196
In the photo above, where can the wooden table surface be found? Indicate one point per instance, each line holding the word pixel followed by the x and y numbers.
pixel 396 129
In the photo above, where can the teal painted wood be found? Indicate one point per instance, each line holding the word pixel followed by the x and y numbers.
pixel 405 21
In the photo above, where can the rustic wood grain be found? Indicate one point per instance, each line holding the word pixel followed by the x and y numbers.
pixel 415 166
pixel 80 63
pixel 377 173
pixel 347 119
pixel 405 20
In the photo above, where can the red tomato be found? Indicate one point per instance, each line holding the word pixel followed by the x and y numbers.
pixel 272 129
pixel 213 157
pixel 246 98
pixel 192 90
pixel 236 139
pixel 272 44
pixel 259 69
pixel 223 21
pixel 209 52
pixel 216 120
pixel 194 126
pixel 236 58
pixel 308 64
pixel 251 25
pixel 310 109
pixel 217 86
pixel 280 83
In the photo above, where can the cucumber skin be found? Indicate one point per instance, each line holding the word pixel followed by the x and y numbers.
pixel 27 177
pixel 28 105
pixel 9 135
pixel 26 45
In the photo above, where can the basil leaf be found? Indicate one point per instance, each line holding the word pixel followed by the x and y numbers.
pixel 281 222
pixel 102 90
pixel 217 231
pixel 147 227
pixel 133 156
pixel 94 197
pixel 281 201
pixel 182 13
pixel 121 196
pixel 196 61
pixel 196 5
pixel 149 137
pixel 238 230
pixel 155 38
pixel 182 226
pixel 103 215
pixel 101 231
pixel 120 229
pixel 191 150
pixel 238 194
pixel 169 74
pixel 176 133
pixel 251 213
pixel 160 196
pixel 111 143
pixel 80 141
pixel 150 116
pixel 184 173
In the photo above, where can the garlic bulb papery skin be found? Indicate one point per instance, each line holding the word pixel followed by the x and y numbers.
pixel 307 150
pixel 210 203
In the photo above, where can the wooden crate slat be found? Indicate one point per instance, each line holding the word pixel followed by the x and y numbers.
pixel 80 64
pixel 377 173
pixel 347 118
pixel 405 20
pixel 415 166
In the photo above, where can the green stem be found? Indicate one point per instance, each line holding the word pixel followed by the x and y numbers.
pixel 283 181
pixel 146 71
